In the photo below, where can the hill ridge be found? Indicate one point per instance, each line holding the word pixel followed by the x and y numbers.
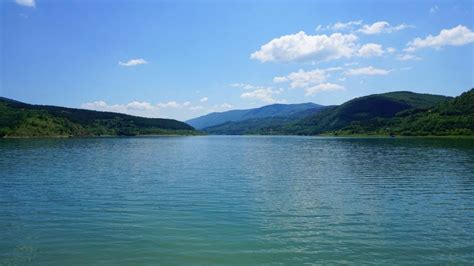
pixel 19 119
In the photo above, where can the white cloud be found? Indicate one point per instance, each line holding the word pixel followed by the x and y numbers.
pixel 407 57
pixel 457 36
pixel 196 108
pixel 312 81
pixel 133 62
pixel 351 64
pixel 280 79
pixel 302 47
pixel 170 109
pixel 340 26
pixel 370 71
pixel 144 109
pixel 204 99
pixel 243 86
pixel 139 105
pixel 171 104
pixel 434 9
pixel 382 27
pixel 323 87
pixel 371 49
pixel 28 3
pixel 303 78
pixel 391 50
pixel 226 106
pixel 93 105
pixel 263 94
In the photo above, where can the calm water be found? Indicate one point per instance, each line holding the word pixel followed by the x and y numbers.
pixel 236 200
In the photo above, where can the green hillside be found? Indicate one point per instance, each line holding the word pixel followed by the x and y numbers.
pixel 261 113
pixel 400 113
pixel 394 113
pixel 19 119
pixel 268 126
pixel 365 113
pixel 453 117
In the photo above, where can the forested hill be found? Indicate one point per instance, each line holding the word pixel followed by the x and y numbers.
pixel 400 113
pixel 280 111
pixel 395 113
pixel 19 119
pixel 368 114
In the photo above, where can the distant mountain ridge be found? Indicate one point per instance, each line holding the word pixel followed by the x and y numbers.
pixel 268 111
pixel 19 119
pixel 394 113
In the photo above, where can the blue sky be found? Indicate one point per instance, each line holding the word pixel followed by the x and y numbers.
pixel 182 59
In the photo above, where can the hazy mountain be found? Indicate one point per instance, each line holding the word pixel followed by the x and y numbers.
pixel 268 125
pixel 399 113
pixel 273 110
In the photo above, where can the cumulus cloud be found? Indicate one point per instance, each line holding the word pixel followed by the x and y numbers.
pixel 280 79
pixel 263 94
pixel 323 87
pixel 171 104
pixel 146 109
pixel 204 99
pixel 244 86
pixel 28 3
pixel 382 27
pixel 301 78
pixel 196 108
pixel 94 105
pixel 311 81
pixel 457 36
pixel 133 108
pixel 371 49
pixel 369 71
pixel 407 57
pixel 303 47
pixel 133 62
pixel 391 50
pixel 340 26
pixel 139 106
pixel 226 106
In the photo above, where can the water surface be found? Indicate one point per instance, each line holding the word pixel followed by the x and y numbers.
pixel 236 200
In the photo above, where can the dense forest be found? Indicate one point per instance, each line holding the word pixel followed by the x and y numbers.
pixel 19 119
pixel 278 111
pixel 395 113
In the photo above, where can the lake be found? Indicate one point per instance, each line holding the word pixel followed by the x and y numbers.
pixel 236 200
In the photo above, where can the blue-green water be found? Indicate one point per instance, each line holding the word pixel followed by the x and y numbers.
pixel 236 200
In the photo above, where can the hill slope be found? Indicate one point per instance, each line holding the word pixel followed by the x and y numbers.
pixel 274 110
pixel 365 114
pixel 19 119
pixel 267 126
pixel 453 117
pixel 372 114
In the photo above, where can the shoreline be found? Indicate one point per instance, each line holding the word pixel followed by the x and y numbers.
pixel 355 136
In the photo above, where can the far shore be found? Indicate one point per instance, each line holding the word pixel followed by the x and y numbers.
pixel 248 135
